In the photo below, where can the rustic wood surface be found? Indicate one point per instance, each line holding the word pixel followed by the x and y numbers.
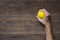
pixel 19 17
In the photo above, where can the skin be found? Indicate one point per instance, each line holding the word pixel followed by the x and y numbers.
pixel 47 25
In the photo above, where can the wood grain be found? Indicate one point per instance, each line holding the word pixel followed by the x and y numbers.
pixel 19 16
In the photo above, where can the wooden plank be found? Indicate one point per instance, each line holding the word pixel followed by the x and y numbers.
pixel 26 37
pixel 19 17
pixel 22 37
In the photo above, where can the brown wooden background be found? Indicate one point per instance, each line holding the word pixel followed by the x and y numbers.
pixel 18 19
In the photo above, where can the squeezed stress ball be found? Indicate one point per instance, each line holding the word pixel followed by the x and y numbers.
pixel 40 14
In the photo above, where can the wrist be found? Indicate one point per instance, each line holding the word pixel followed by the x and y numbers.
pixel 47 24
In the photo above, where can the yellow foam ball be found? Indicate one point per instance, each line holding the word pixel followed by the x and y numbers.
pixel 41 14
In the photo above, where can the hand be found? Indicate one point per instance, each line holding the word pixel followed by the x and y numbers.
pixel 44 21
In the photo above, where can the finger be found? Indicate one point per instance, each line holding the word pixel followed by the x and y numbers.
pixel 41 20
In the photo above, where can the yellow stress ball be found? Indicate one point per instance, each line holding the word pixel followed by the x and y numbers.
pixel 41 14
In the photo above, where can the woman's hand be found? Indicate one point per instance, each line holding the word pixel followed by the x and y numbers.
pixel 44 21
